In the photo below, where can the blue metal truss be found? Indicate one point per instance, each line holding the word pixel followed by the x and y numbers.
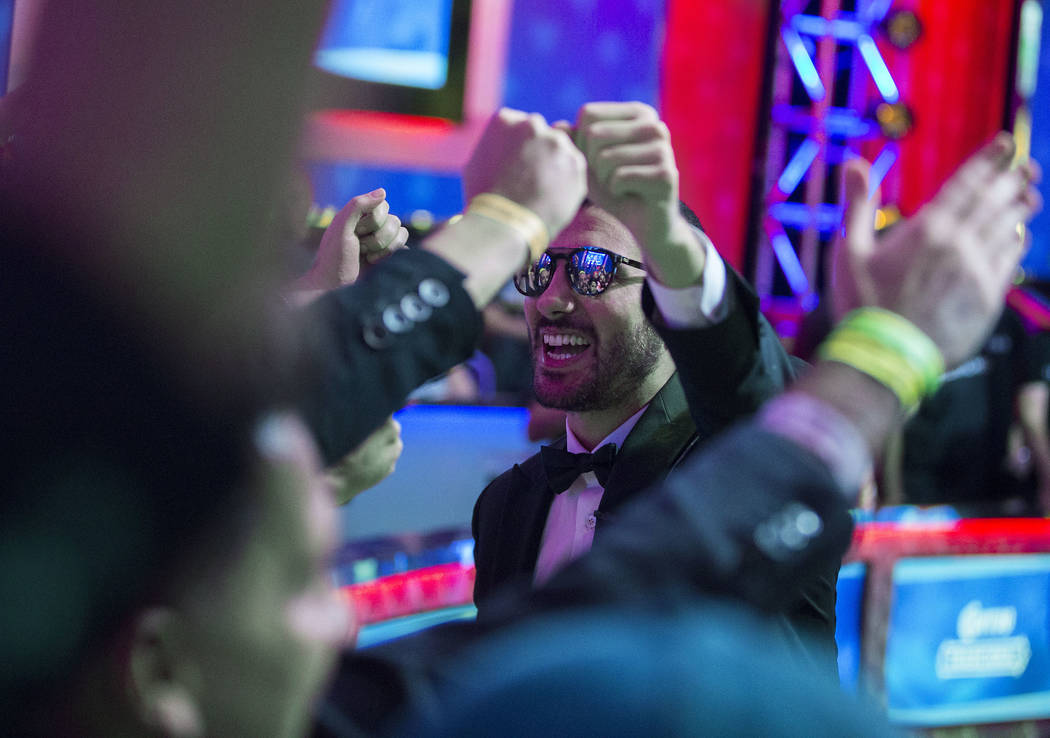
pixel 821 133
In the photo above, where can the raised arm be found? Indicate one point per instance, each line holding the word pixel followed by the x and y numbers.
pixel 728 357
pixel 415 314
pixel 757 509
pixel 522 159
pixel 632 173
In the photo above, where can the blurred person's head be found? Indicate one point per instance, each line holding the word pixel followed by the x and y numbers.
pixel 162 547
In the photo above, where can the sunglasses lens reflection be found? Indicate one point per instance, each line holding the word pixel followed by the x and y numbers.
pixel 535 279
pixel 591 271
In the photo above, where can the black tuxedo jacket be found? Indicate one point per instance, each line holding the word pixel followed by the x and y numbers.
pixel 725 372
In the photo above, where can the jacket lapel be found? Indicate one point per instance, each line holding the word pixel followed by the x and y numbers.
pixel 661 435
pixel 525 516
pixel 663 432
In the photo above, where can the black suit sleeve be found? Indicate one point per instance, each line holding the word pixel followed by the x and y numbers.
pixel 729 369
pixel 371 343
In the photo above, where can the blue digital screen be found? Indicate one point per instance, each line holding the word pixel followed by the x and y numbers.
pixel 848 611
pixel 1037 261
pixel 397 42
pixel 451 452
pixel 335 182
pixel 593 260
pixel 969 640
pixel 7 16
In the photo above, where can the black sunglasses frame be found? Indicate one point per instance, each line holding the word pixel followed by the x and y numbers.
pixel 520 279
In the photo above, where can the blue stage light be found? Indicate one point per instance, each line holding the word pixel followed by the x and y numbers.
pixel 875 11
pixel 879 71
pixel 800 57
pixel 825 217
pixel 881 167
pixel 796 168
pixel 789 263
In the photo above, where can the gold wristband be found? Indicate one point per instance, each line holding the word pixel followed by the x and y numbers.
pixel 511 214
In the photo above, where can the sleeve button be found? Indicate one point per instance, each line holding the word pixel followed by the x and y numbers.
pixel 376 335
pixel 434 292
pixel 395 321
pixel 414 308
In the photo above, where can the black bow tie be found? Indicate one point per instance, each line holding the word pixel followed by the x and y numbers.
pixel 564 466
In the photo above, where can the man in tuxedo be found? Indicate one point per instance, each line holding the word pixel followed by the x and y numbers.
pixel 164 536
pixel 151 502
pixel 605 346
pixel 632 639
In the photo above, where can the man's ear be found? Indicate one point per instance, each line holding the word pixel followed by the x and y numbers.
pixel 163 675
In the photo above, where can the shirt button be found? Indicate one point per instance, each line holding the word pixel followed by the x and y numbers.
pixel 590 522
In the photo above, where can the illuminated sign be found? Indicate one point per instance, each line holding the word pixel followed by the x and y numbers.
pixel 593 260
pixel 968 640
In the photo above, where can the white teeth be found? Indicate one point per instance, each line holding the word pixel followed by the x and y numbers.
pixel 563 339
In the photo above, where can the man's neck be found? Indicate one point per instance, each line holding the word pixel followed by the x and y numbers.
pixel 591 426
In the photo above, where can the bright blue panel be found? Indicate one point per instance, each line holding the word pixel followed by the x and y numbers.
pixel 451 453
pixel 389 630
pixel 1037 262
pixel 564 53
pixel 399 42
pixel 335 183
pixel 848 611
pixel 969 640
pixel 7 13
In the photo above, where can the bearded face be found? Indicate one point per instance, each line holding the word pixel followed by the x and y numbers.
pixel 593 352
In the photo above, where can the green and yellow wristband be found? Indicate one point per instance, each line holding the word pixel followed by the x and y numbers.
pixel 889 349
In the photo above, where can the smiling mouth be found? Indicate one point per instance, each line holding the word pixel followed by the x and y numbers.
pixel 562 348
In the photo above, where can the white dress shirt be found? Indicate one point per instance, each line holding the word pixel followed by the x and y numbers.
pixel 569 531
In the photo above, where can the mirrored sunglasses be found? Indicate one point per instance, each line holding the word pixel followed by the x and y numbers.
pixel 591 270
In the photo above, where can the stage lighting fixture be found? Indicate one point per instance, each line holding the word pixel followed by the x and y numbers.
pixel 902 28
pixel 895 120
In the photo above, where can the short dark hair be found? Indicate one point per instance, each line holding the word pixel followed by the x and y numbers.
pixel 690 217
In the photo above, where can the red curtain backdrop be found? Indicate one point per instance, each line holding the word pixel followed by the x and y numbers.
pixel 710 90
pixel 955 80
